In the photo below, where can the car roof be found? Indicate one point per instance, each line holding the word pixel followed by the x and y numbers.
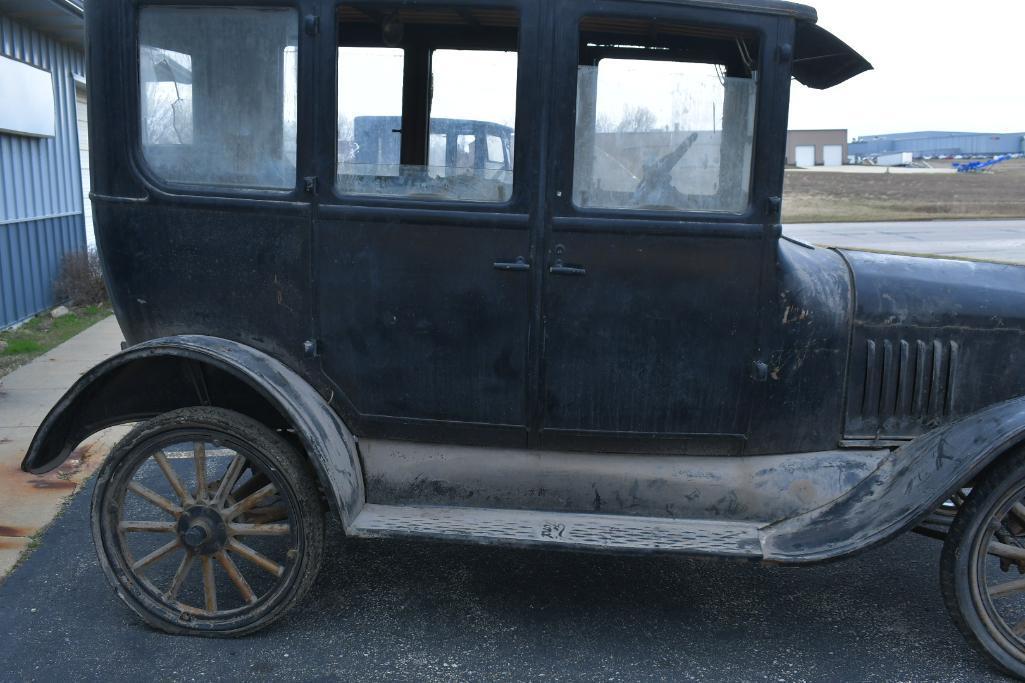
pixel 789 9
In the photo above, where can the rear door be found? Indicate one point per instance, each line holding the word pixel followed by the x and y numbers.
pixel 656 240
pixel 422 247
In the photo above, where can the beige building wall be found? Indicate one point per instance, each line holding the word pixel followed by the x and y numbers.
pixel 818 138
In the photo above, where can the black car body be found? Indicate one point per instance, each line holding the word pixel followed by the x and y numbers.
pixel 610 346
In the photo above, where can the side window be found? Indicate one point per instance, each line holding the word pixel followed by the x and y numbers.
pixel 665 118
pixel 218 95
pixel 423 112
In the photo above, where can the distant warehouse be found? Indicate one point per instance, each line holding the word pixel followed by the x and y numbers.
pixel 806 148
pixel 935 144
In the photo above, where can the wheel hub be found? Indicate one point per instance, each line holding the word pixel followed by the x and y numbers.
pixel 202 530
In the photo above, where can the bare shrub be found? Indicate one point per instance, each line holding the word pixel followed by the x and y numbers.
pixel 80 281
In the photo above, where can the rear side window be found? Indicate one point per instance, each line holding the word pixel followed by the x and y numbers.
pixel 426 102
pixel 218 95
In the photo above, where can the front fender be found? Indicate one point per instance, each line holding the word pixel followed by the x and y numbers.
pixel 175 372
pixel 905 488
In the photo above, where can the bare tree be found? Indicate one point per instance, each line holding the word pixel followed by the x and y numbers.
pixel 637 120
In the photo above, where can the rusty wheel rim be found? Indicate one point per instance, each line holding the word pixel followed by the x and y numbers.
pixel 202 530
pixel 997 573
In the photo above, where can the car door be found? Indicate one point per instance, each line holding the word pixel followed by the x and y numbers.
pixel 657 234
pixel 422 256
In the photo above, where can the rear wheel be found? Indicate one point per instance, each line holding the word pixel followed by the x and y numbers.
pixel 207 522
pixel 982 568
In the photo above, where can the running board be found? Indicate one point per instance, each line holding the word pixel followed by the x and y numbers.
pixel 560 529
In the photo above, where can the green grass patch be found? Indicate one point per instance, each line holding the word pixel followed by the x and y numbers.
pixel 42 333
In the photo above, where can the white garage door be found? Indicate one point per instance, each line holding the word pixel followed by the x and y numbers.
pixel 806 156
pixel 832 155
pixel 81 113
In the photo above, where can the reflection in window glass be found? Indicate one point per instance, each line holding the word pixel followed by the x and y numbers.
pixel 369 111
pixel 663 135
pixel 215 111
pixel 469 142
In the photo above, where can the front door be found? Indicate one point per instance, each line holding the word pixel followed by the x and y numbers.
pixel 655 242
pixel 423 241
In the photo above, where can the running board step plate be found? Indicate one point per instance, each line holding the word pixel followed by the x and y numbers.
pixel 615 533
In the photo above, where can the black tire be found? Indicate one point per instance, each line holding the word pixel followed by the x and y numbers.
pixel 974 579
pixel 208 519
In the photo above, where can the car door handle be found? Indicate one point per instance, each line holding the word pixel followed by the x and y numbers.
pixel 519 265
pixel 561 268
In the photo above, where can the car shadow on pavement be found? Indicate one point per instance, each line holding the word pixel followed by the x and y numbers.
pixel 421 611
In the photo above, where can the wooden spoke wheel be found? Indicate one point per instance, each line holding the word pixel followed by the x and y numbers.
pixel 206 522
pixel 983 565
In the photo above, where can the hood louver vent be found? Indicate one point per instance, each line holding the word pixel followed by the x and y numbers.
pixel 907 385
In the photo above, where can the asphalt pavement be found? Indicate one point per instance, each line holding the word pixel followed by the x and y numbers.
pixel 999 240
pixel 417 611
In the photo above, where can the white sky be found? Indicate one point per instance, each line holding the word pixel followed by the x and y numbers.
pixel 939 65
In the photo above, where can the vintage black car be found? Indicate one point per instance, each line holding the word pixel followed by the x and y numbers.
pixel 577 325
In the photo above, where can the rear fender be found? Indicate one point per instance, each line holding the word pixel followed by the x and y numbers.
pixel 905 488
pixel 176 372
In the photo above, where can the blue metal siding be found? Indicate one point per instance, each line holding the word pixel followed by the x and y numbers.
pixel 40 183
pixel 934 143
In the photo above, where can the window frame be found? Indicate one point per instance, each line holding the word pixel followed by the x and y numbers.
pixel 161 186
pixel 564 209
pixel 524 173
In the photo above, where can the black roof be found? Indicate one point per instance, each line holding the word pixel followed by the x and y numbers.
pixel 821 60
pixel 790 9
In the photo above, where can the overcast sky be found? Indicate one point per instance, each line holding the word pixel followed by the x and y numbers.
pixel 939 65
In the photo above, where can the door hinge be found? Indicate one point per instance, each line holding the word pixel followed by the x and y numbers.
pixel 760 371
pixel 311 24
pixel 310 184
pixel 773 207
pixel 311 349
pixel 784 53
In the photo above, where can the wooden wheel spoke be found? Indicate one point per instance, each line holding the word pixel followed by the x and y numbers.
pixel 155 556
pixel 259 529
pixel 172 478
pixel 180 576
pixel 231 476
pixel 1007 588
pixel 236 577
pixel 250 501
pixel 267 514
pixel 199 456
pixel 209 585
pixel 154 498
pixel 251 485
pixel 257 558
pixel 148 527
pixel 1008 552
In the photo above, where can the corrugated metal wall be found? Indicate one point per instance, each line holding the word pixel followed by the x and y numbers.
pixel 40 183
pixel 941 143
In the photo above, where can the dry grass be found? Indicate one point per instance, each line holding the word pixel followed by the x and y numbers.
pixel 42 333
pixel 850 197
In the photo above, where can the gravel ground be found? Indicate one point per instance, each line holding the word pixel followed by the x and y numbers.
pixel 400 611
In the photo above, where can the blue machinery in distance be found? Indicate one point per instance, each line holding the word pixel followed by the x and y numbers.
pixel 980 166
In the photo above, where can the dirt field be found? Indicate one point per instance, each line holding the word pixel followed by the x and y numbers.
pixel 826 197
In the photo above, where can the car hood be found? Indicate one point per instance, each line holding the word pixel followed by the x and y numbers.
pixel 933 340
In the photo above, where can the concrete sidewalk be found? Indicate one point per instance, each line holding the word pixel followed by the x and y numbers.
pixel 29 503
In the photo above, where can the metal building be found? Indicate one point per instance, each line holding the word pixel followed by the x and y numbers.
pixel 936 143
pixel 42 134
pixel 806 148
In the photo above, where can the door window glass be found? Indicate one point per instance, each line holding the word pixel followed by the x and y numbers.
pixel 664 123
pixel 218 95
pixel 417 110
